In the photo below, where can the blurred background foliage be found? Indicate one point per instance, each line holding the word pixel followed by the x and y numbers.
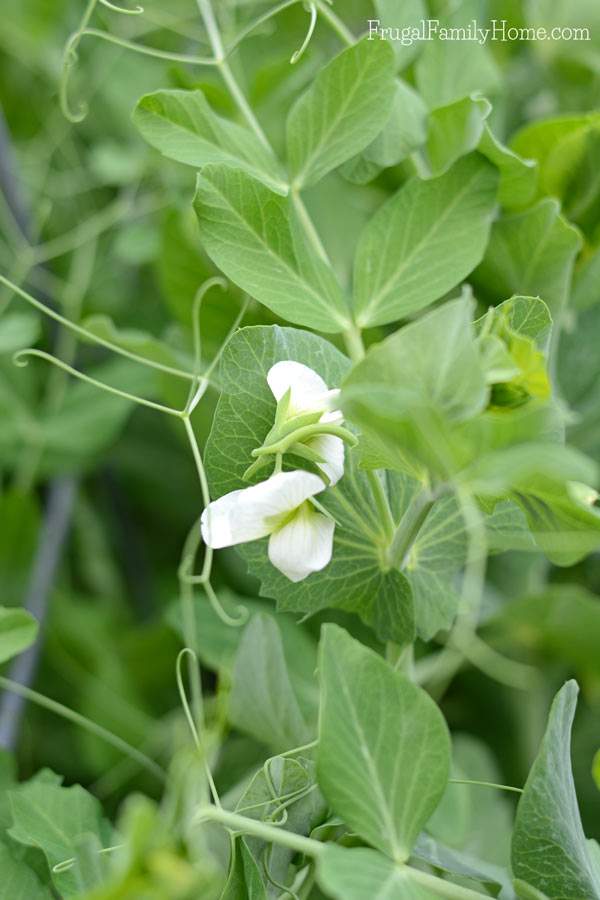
pixel 96 224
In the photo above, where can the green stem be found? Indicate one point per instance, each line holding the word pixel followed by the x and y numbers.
pixel 268 833
pixel 95 729
pixel 90 336
pixel 354 343
pixel 381 502
pixel 148 51
pixel 20 360
pixel 488 784
pixel 214 37
pixel 336 23
pixel 409 527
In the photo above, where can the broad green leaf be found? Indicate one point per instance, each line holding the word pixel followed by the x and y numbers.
pixel 566 148
pixel 18 330
pixel 358 873
pixel 402 23
pixel 355 580
pixel 344 109
pixel 407 388
pixel 384 748
pixel 450 69
pixel 518 175
pixel 549 849
pixel 55 819
pixel 530 253
pixel 18 630
pixel 262 701
pixel 183 127
pixel 252 235
pixel 550 483
pixel 19 881
pixel 216 643
pixel 454 131
pixel 423 242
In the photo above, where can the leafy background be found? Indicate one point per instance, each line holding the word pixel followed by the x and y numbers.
pixel 97 223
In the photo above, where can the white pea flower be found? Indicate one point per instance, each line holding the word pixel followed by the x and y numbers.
pixel 310 394
pixel 301 539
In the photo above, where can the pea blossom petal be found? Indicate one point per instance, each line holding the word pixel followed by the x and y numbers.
pixel 303 545
pixel 331 448
pixel 309 393
pixel 256 511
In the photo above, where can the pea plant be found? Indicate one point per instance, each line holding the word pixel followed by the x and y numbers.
pixel 380 255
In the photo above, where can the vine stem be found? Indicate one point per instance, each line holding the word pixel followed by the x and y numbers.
pixel 409 527
pixel 86 724
pixel 336 23
pixel 214 37
pixel 262 830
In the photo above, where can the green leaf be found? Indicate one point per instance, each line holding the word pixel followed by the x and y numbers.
pixel 384 749
pixel 183 127
pixel 18 330
pixel 344 109
pixel 55 819
pixel 359 873
pixel 19 881
pixel 409 387
pixel 413 13
pixel 262 702
pixel 251 234
pixel 550 483
pixel 244 881
pixel 404 131
pixel 216 643
pixel 18 630
pixel 549 849
pixel 530 253
pixel 566 148
pixel 356 579
pixel 454 131
pixel 448 70
pixel 518 175
pixel 423 242
pixel 458 863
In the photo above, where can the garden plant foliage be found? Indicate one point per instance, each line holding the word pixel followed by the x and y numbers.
pixel 299 445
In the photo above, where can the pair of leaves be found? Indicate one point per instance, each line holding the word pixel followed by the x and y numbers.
pixel 419 245
pixel 341 113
